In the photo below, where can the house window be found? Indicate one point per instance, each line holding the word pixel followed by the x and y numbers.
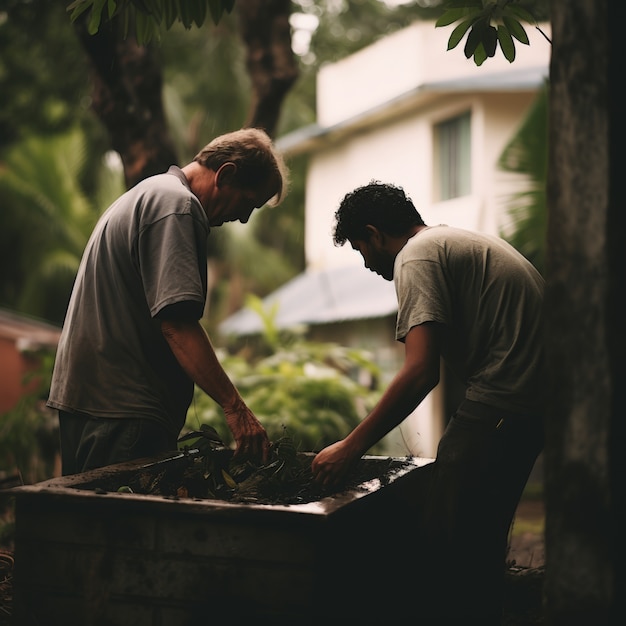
pixel 452 157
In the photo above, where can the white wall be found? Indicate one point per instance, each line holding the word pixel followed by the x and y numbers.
pixel 390 154
pixel 399 62
pixel 400 151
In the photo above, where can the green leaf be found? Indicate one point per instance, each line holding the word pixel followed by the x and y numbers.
pixel 480 56
pixel 458 33
pixel 95 17
pixel 111 6
pixel 141 28
pixel 142 6
pixel 217 8
pixel 210 433
pixel 520 13
pixel 516 29
pixel 206 432
pixel 198 10
pixel 78 7
pixel 228 479
pixel 490 41
pixel 506 43
pixel 475 37
pixel 156 11
pixel 170 13
pixel 185 14
pixel 451 16
pixel 146 27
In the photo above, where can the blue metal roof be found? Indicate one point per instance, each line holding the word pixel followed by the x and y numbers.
pixel 320 297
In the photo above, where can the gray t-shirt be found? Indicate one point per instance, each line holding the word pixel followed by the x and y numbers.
pixel 148 251
pixel 488 299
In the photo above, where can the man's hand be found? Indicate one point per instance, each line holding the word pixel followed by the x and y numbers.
pixel 191 346
pixel 332 465
pixel 250 436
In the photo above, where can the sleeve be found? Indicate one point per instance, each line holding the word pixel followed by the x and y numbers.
pixel 172 267
pixel 423 295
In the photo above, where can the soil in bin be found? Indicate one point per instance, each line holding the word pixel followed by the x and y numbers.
pixel 284 480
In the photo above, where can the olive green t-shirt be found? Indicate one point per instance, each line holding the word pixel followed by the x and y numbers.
pixel 488 299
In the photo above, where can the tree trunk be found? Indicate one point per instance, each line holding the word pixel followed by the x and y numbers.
pixel 271 64
pixel 127 97
pixel 585 314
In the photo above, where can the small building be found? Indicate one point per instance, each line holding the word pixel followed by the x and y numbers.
pixel 21 340
pixel 407 111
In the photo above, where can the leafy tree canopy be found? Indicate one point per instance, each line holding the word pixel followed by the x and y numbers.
pixel 42 93
pixel 148 16
pixel 486 25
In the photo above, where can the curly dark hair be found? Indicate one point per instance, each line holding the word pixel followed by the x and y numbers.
pixel 384 206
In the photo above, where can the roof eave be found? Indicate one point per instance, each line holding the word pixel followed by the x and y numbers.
pixel 314 137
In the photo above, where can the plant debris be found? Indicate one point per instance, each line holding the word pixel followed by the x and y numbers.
pixel 216 474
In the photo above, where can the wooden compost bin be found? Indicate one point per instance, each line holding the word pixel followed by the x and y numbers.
pixel 87 556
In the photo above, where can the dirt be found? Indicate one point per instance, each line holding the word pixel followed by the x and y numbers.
pixel 285 479
pixel 527 547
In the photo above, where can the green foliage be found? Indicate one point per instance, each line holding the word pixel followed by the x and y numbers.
pixel 486 24
pixel 206 89
pixel 527 154
pixel 28 435
pixel 46 220
pixel 307 389
pixel 43 75
pixel 148 16
pixel 271 335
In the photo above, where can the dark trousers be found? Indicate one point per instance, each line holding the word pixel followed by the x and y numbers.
pixel 482 465
pixel 89 442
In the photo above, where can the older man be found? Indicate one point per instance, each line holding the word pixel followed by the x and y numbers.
pixel 132 345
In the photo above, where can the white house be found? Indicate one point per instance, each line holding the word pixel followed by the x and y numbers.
pixel 405 111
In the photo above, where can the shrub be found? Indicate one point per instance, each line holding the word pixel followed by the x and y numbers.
pixel 309 390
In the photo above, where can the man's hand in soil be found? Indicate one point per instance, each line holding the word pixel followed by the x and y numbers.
pixel 249 435
pixel 331 466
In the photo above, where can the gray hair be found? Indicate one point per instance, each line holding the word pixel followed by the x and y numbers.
pixel 257 160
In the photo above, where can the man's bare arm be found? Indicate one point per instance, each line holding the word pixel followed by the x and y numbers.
pixel 192 348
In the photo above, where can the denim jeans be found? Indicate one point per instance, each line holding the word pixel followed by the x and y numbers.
pixel 89 442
